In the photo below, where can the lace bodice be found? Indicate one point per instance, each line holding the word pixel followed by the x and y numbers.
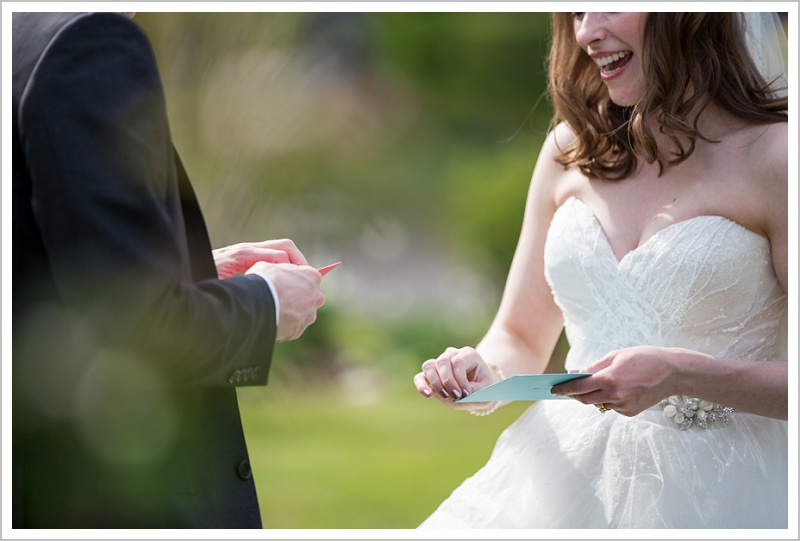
pixel 706 284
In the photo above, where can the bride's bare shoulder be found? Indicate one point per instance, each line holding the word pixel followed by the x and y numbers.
pixel 759 168
pixel 561 181
pixel 776 141
pixel 558 139
pixel 766 172
pixel 768 152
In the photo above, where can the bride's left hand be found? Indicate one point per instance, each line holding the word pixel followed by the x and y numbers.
pixel 628 380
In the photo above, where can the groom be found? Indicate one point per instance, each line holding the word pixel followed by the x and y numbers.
pixel 129 340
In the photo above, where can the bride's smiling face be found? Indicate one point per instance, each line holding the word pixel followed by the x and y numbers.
pixel 614 41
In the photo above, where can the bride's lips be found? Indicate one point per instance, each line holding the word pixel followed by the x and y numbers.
pixel 612 64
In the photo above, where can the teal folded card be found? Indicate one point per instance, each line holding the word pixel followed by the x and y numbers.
pixel 522 387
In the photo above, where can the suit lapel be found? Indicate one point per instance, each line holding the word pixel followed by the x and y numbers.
pixel 200 257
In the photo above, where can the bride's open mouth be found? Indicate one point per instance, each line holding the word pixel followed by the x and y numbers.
pixel 612 63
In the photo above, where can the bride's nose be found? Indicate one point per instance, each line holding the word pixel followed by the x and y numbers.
pixel 589 28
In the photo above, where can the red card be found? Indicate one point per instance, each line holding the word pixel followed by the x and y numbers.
pixel 328 268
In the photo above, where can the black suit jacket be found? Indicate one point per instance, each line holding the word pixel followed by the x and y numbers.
pixel 127 348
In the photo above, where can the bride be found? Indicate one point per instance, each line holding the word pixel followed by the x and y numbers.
pixel 655 234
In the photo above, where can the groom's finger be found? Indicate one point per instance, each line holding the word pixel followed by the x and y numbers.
pixel 287 246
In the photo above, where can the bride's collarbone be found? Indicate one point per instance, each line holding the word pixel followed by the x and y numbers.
pixel 630 217
pixel 717 180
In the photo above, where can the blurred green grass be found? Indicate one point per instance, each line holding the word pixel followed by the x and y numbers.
pixel 324 459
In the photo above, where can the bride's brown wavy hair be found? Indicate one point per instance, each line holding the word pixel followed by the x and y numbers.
pixel 691 60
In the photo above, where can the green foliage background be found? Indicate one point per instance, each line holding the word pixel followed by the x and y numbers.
pixel 401 144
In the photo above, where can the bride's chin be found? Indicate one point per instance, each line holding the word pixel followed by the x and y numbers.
pixel 626 95
pixel 623 100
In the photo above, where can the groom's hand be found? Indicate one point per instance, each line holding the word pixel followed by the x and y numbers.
pixel 238 258
pixel 299 295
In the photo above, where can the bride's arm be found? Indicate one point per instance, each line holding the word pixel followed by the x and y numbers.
pixel 633 379
pixel 756 387
pixel 526 328
pixel 524 332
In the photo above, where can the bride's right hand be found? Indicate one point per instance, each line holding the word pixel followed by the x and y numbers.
pixel 455 374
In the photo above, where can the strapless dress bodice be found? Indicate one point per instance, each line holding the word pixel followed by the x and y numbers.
pixel 706 284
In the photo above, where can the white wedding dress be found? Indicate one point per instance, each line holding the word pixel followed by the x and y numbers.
pixel 705 284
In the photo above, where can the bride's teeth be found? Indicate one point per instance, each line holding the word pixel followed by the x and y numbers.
pixel 606 60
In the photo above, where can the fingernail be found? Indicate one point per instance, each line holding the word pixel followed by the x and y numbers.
pixel 426 392
pixel 466 392
pixel 457 393
pixel 444 393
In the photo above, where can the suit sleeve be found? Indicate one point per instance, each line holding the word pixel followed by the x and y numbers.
pixel 107 203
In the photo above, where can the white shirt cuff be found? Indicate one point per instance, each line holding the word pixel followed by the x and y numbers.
pixel 274 296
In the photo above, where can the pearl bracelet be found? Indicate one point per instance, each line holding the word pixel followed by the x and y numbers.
pixel 492 405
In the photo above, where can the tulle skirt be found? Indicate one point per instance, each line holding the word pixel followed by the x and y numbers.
pixel 563 464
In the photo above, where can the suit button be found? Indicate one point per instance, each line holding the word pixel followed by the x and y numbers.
pixel 244 470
